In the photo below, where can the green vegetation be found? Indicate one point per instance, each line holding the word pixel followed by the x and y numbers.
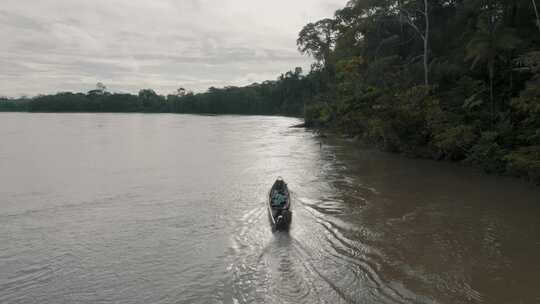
pixel 453 80
pixel 285 96
pixel 456 80
pixel 13 105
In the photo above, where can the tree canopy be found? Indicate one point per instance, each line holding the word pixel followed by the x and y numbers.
pixel 454 80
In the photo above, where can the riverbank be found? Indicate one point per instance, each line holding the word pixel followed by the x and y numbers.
pixel 521 164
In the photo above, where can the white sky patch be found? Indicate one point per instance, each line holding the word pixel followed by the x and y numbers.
pixel 68 45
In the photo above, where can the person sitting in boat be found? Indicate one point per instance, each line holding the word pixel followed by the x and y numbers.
pixel 278 198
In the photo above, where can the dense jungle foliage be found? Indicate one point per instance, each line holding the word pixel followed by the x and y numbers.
pixel 456 80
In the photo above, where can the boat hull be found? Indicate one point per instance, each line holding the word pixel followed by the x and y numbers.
pixel 281 215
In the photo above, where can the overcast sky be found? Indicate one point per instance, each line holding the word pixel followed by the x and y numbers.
pixel 68 45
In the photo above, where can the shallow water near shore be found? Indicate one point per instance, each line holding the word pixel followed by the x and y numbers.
pixel 134 208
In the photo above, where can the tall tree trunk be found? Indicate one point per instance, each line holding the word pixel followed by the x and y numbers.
pixel 426 44
pixel 402 33
pixel 424 35
pixel 536 12
pixel 491 95
pixel 491 63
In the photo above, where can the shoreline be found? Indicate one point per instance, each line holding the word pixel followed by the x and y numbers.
pixel 333 133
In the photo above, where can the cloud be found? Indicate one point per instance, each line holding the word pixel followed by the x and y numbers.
pixel 69 45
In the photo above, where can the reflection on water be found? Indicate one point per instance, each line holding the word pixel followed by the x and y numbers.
pixel 171 209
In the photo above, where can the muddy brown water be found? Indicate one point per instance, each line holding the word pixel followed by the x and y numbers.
pixel 133 208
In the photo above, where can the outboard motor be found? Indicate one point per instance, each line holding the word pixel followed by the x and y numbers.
pixel 286 216
pixel 279 220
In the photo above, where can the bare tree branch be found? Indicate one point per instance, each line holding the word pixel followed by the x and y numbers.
pixel 423 34
pixel 536 12
pixel 410 21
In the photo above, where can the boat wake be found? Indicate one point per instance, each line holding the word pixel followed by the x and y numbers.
pixel 314 262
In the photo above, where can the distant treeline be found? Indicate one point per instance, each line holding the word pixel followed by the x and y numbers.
pixel 285 96
pixel 449 80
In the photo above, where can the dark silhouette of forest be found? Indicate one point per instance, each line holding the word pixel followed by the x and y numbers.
pixel 271 97
pixel 454 80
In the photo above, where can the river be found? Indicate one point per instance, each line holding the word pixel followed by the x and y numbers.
pixel 134 208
